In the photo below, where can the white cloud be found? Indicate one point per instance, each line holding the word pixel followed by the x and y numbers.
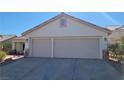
pixel 109 18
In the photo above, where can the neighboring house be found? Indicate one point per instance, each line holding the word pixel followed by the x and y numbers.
pixel 65 36
pixel 117 33
pixel 6 39
pixel 18 44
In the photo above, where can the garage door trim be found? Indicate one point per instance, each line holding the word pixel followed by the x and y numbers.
pixel 52 40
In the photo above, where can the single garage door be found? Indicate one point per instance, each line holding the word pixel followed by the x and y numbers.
pixel 76 48
pixel 41 47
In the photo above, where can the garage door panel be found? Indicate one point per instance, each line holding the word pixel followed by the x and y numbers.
pixel 76 48
pixel 66 47
pixel 41 48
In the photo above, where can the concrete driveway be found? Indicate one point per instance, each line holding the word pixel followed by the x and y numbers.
pixel 58 69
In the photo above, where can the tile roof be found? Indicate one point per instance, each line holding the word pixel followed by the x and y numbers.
pixel 20 38
pixel 6 37
pixel 113 27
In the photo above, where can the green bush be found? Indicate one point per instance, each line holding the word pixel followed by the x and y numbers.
pixel 7 47
pixel 118 49
pixel 2 55
pixel 1 45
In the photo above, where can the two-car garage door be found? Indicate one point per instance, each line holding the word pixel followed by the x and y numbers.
pixel 66 47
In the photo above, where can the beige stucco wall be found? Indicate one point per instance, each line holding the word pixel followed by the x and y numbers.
pixel 19 46
pixel 73 28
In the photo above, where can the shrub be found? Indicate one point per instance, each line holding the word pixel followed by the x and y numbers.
pixel 118 49
pixel 2 55
pixel 7 47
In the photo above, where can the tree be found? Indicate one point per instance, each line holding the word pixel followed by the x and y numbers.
pixel 120 50
pixel 113 48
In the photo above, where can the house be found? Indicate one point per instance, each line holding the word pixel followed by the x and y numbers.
pixel 18 44
pixel 65 36
pixel 117 33
pixel 6 39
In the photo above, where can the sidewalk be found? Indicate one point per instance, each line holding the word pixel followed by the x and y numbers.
pixel 13 57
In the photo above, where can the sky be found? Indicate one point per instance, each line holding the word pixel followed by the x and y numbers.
pixel 18 22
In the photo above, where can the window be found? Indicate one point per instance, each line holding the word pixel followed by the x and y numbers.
pixel 63 23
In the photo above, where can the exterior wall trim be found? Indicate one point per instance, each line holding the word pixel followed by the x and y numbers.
pixel 30 47
pixel 101 48
pixel 70 37
pixel 52 47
